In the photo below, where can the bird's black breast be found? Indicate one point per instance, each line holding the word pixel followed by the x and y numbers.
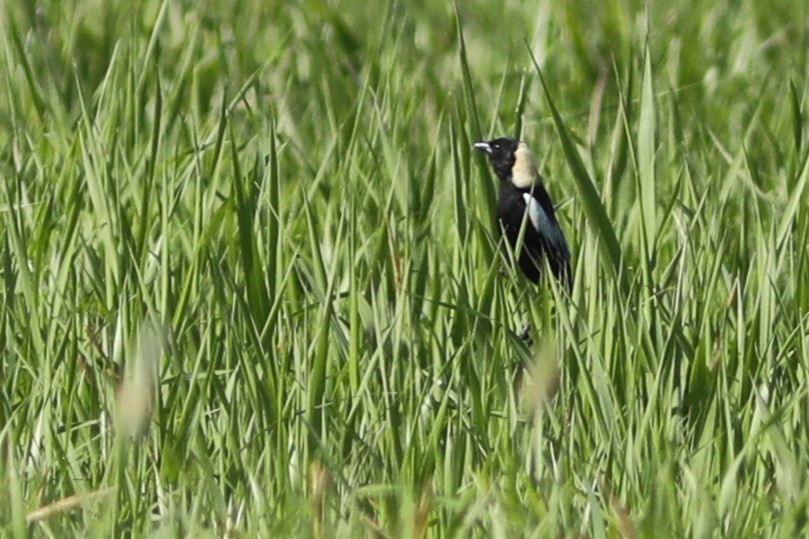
pixel 537 244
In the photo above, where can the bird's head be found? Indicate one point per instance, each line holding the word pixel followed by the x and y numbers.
pixel 512 161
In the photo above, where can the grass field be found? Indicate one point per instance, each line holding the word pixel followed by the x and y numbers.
pixel 249 284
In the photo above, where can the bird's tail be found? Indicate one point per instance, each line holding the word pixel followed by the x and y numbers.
pixel 561 270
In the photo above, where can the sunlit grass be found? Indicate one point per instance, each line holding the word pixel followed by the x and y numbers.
pixel 251 285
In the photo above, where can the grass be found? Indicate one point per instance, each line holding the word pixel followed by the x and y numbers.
pixel 250 285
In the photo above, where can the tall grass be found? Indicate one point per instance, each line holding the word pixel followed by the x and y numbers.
pixel 251 286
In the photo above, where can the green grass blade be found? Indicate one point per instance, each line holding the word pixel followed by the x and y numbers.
pixel 591 200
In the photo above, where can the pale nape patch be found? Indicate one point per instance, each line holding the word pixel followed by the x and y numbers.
pixel 524 172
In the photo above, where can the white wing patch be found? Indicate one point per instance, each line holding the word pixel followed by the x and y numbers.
pixel 543 224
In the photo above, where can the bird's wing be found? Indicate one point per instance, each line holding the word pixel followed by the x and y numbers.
pixel 545 225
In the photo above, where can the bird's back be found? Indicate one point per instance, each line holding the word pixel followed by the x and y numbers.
pixel 542 239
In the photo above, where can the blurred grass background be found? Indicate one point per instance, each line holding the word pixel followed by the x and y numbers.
pixel 250 285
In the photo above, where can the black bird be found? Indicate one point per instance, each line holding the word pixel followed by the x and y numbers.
pixel 521 192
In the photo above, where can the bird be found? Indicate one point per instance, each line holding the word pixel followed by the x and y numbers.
pixel 522 192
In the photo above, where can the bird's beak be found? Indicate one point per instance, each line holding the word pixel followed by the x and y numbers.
pixel 483 147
